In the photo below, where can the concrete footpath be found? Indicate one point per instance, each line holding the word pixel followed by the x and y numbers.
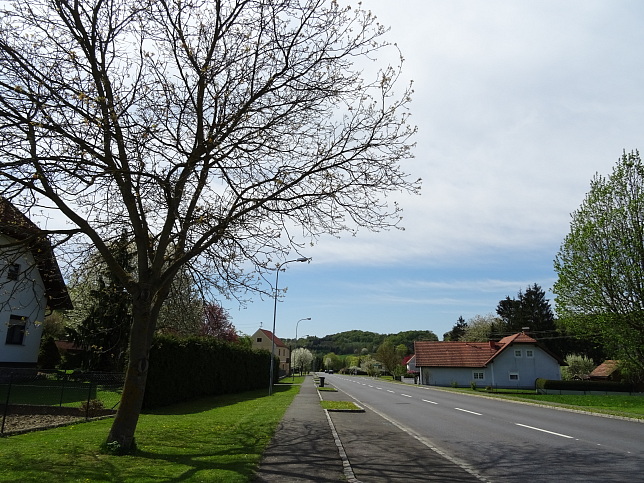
pixel 312 444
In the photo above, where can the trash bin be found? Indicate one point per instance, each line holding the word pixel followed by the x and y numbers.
pixel 321 381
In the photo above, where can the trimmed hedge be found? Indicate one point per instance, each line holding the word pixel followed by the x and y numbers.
pixel 604 386
pixel 190 368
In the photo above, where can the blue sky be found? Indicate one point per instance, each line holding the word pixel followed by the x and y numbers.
pixel 518 105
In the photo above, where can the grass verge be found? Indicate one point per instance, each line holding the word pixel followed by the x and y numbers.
pixel 616 405
pixel 218 439
pixel 340 406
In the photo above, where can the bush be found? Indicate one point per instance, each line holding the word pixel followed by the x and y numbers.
pixel 586 386
pixel 188 368
pixel 49 356
pixel 92 408
pixel 578 367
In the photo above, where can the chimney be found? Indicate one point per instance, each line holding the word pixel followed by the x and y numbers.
pixel 492 344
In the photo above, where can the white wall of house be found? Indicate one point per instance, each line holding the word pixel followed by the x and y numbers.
pixel 521 364
pixel 516 367
pixel 22 301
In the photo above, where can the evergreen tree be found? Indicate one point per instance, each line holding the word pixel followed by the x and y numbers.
pixel 530 309
pixel 458 331
pixel 103 333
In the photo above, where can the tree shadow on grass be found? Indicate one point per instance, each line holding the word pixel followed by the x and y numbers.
pixel 207 403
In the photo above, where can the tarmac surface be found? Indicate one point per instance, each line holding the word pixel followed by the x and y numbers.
pixel 313 444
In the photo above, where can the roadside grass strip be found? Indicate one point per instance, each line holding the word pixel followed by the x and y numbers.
pixel 218 439
pixel 624 406
pixel 344 406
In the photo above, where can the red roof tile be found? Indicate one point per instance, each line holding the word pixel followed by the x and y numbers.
pixel 270 336
pixel 454 354
pixel 605 369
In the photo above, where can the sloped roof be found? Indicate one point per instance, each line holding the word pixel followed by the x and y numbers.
pixel 406 359
pixel 16 225
pixel 605 369
pixel 453 353
pixel 468 354
pixel 271 337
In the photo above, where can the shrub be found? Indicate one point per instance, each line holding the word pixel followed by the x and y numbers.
pixel 188 368
pixel 92 408
pixel 587 386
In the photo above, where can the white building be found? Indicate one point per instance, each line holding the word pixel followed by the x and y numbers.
pixel 30 284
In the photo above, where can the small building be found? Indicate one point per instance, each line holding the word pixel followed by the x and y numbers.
pixel 263 339
pixel 515 361
pixel 30 285
pixel 606 371
pixel 410 363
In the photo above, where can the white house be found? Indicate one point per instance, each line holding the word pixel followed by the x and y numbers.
pixel 263 339
pixel 515 361
pixel 30 284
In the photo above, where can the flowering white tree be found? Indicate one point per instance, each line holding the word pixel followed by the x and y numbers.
pixel 301 359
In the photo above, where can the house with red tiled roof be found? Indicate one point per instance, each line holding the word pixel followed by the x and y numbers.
pixel 515 361
pixel 263 339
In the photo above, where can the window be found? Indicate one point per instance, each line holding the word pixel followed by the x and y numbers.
pixel 529 353
pixel 16 330
pixel 517 352
pixel 259 339
pixel 14 271
pixel 514 376
pixel 478 375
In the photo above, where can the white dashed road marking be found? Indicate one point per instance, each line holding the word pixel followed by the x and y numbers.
pixel 545 431
pixel 466 411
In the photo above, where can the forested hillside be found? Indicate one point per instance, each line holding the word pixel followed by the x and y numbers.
pixel 359 341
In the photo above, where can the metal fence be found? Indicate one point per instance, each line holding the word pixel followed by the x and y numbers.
pixel 72 394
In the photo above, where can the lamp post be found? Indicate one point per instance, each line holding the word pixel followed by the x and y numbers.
pixel 277 277
pixel 298 323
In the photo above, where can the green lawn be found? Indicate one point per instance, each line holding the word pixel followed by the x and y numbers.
pixel 621 405
pixel 60 393
pixel 629 406
pixel 219 439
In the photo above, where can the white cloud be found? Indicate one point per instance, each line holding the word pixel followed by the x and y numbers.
pixel 518 105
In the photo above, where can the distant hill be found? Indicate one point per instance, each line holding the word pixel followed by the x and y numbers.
pixel 358 341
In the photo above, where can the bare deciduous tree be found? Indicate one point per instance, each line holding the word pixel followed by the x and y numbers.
pixel 218 135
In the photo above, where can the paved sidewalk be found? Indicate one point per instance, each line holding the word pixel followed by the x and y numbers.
pixel 355 447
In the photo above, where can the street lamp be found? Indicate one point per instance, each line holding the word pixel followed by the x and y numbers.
pixel 277 277
pixel 298 323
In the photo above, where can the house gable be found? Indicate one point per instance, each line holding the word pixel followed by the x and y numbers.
pixel 263 339
pixel 31 282
pixel 23 235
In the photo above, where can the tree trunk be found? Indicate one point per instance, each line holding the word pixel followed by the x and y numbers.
pixel 127 416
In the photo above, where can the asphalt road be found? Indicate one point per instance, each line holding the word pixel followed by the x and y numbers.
pixel 504 441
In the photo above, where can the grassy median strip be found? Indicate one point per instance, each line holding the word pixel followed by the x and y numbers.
pixel 340 406
pixel 219 439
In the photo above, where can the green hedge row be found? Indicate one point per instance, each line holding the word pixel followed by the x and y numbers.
pixel 185 369
pixel 606 386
